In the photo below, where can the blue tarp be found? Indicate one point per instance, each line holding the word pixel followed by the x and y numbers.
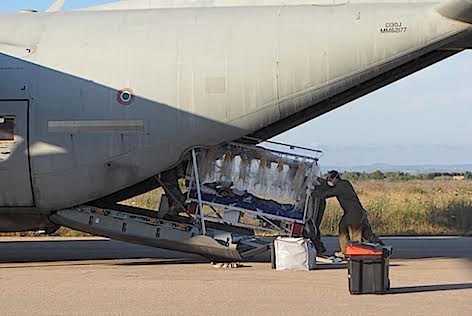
pixel 256 204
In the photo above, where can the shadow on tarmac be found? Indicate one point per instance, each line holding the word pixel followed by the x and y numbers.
pixel 50 250
pixel 430 288
pixel 340 266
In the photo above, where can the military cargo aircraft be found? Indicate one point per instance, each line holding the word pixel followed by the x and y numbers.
pixel 95 103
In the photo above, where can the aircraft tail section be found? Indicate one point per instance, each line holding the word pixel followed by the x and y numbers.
pixel 460 10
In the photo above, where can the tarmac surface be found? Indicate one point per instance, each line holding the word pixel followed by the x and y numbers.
pixel 95 276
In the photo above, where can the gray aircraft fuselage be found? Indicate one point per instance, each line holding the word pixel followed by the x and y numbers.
pixel 103 100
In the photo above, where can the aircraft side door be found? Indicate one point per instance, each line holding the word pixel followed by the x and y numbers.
pixel 15 180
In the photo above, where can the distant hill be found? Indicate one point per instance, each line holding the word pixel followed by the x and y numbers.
pixel 412 169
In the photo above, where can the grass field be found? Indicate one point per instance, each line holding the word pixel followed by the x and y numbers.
pixel 417 207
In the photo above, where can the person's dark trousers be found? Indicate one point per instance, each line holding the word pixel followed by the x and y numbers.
pixel 312 228
pixel 311 232
pixel 348 231
pixel 320 248
pixel 368 234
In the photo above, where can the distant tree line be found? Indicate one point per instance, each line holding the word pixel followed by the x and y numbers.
pixel 405 176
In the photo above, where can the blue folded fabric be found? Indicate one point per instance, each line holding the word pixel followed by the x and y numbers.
pixel 264 206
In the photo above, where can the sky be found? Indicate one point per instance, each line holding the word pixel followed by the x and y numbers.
pixel 425 118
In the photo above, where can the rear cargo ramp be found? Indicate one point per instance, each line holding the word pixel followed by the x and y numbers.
pixel 148 231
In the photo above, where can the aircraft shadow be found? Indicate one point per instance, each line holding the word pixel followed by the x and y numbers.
pixel 48 251
pixel 100 262
pixel 430 288
pixel 341 266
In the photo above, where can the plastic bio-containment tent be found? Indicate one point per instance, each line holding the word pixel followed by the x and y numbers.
pixel 271 184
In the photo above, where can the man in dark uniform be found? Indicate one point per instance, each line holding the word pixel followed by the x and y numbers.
pixel 354 224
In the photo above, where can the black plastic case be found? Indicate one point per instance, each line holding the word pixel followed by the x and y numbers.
pixel 368 274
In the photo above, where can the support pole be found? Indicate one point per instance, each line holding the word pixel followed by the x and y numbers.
pixel 199 193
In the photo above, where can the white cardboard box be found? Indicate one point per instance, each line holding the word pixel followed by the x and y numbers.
pixel 295 254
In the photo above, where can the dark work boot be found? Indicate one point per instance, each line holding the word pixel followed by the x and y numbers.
pixel 320 249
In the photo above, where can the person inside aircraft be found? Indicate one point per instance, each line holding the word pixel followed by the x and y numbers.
pixel 354 225
pixel 170 180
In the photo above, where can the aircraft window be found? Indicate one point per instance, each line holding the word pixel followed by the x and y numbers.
pixel 7 129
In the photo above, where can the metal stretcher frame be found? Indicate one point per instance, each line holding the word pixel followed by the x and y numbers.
pixel 263 216
pixel 266 218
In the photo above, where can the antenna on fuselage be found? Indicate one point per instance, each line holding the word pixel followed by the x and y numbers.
pixel 56 6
